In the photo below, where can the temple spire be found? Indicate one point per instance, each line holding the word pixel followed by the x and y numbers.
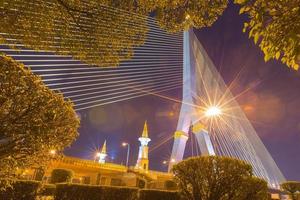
pixel 145 130
pixel 103 150
pixel 143 161
pixel 103 153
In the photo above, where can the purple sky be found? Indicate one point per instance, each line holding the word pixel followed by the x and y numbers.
pixel 273 106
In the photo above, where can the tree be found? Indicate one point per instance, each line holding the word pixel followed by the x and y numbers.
pixel 275 26
pixel 218 178
pixel 180 15
pixel 33 119
pixel 291 187
pixel 61 176
pixel 253 188
pixel 93 31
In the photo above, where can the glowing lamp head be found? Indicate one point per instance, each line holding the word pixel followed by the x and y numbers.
pixel 173 160
pixel 213 111
pixel 164 162
pixel 124 144
pixel 98 154
pixel 52 152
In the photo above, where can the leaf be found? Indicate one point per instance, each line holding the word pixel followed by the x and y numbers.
pixel 277 55
pixel 242 10
pixel 256 37
pixel 274 25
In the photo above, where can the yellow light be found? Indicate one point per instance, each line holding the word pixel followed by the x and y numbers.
pixel 173 160
pixel 213 111
pixel 124 144
pixel 52 152
pixel 164 162
pixel 98 154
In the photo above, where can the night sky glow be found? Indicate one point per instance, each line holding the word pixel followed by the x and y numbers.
pixel 272 105
pixel 269 95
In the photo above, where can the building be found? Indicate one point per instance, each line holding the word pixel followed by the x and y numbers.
pixel 100 172
pixel 102 155
pixel 143 160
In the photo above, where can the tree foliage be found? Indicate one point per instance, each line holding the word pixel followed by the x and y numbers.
pixel 99 33
pixel 291 187
pixel 180 15
pixel 275 26
pixel 93 31
pixel 33 119
pixel 61 176
pixel 218 178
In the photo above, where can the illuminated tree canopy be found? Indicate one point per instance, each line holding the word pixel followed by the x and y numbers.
pixel 91 31
pixel 33 119
pixel 180 15
pixel 275 26
pixel 99 33
pixel 293 188
pixel 218 178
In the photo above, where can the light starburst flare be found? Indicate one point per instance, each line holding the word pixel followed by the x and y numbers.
pixel 213 111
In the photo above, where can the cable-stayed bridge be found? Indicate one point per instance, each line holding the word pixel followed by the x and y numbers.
pixel 155 67
pixel 164 62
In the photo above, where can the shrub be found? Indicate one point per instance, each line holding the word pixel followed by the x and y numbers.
pixel 20 190
pixel 61 176
pixel 158 195
pixel 119 193
pixel 80 192
pixel 292 188
pixel 218 178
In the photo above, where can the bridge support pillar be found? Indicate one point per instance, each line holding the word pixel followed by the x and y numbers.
pixel 180 139
pixel 203 139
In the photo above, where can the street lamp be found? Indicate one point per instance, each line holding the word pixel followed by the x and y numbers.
pixel 124 144
pixel 165 162
pixel 169 163
pixel 52 152
pixel 97 155
pixel 213 111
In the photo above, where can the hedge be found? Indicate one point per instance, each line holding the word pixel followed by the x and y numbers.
pixel 170 185
pixel 47 190
pixel 20 190
pixel 61 176
pixel 158 195
pixel 29 190
pixel 89 192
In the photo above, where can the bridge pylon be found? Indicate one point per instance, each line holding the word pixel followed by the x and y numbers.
pixel 230 134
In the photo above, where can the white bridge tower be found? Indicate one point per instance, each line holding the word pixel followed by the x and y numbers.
pixel 230 134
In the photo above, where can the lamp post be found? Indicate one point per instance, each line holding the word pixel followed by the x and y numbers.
pixel 52 152
pixel 167 162
pixel 124 144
